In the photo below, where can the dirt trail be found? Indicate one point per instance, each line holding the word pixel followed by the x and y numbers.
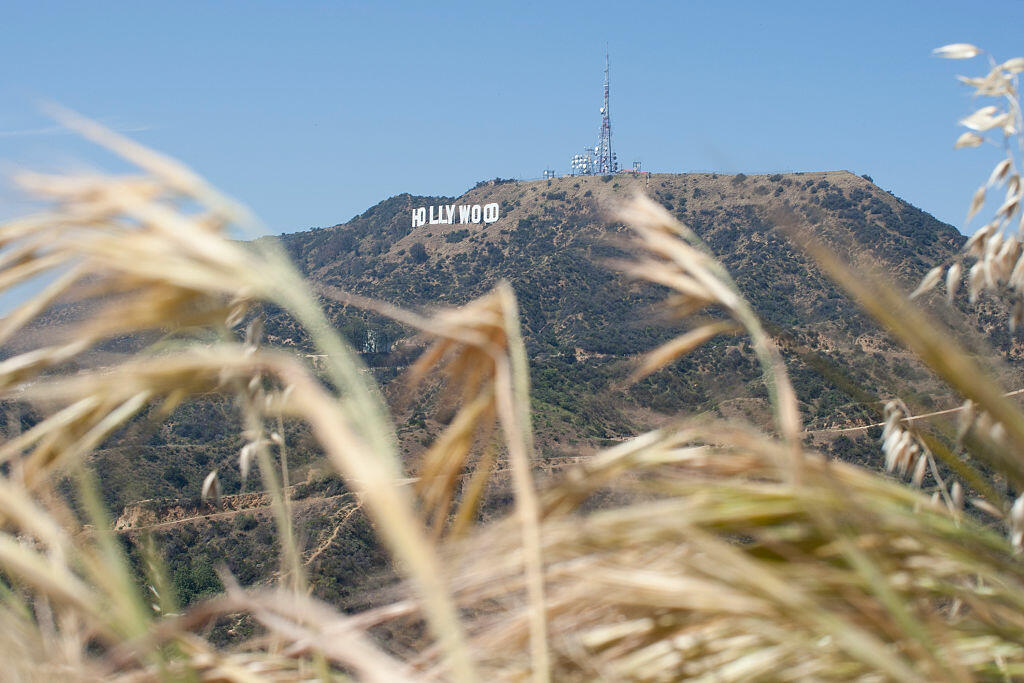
pixel 150 514
pixel 349 511
pixel 227 514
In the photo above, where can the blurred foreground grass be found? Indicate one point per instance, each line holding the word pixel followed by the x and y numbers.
pixel 728 553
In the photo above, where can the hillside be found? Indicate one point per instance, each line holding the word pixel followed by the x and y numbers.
pixel 583 322
pixel 583 325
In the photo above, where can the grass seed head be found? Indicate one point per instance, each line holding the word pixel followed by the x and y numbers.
pixel 957 51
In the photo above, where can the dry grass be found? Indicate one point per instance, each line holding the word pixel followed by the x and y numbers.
pixel 737 554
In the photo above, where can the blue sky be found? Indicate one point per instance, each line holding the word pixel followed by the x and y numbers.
pixel 312 111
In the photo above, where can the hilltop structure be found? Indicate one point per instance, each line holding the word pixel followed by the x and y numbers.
pixel 600 160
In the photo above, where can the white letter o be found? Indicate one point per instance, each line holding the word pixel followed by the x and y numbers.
pixel 490 213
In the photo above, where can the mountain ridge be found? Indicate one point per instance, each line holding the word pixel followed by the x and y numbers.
pixel 583 324
pixel 554 241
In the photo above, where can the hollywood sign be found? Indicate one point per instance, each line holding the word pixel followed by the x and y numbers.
pixel 445 214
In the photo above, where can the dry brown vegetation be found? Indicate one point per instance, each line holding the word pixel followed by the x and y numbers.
pixel 725 553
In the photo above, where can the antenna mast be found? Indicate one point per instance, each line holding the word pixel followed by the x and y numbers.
pixel 600 159
pixel 606 162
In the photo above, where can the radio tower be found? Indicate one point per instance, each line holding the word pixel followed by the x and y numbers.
pixel 606 162
pixel 599 160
